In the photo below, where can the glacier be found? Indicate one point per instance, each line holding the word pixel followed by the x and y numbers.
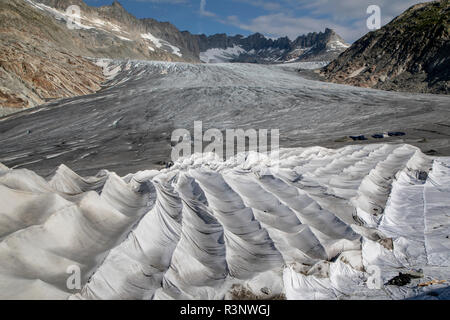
pixel 304 223
pixel 127 125
pixel 307 222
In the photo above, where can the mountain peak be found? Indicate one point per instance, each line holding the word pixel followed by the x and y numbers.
pixel 117 4
pixel 258 35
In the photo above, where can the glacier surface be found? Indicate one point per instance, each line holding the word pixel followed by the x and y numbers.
pixel 127 126
pixel 304 223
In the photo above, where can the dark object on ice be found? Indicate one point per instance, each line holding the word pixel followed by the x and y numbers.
pixel 358 138
pixel 431 152
pixel 400 280
pixel 165 164
pixel 396 134
pixel 422 175
pixel 29 131
pixel 378 136
pixel 265 290
pixel 169 164
pixel 404 278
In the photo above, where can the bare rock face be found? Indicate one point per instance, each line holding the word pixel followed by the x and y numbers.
pixel 42 59
pixel 322 46
pixel 411 53
pixel 32 68
pixel 110 32
pixel 36 75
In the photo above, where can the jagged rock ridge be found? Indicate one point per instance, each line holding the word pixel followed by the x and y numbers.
pixel 257 48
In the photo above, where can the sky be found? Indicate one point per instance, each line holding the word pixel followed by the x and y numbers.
pixel 270 17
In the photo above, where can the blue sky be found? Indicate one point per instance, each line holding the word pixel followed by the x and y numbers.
pixel 271 17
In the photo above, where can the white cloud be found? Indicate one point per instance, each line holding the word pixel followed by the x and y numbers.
pixel 296 17
pixel 266 5
pixel 280 24
pixel 165 1
pixel 203 10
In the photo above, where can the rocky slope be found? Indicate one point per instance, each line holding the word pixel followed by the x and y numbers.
pixel 33 68
pixel 111 32
pixel 409 54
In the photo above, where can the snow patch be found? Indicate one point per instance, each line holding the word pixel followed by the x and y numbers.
pixel 337 45
pixel 59 15
pixel 218 55
pixel 307 65
pixel 110 68
pixel 161 44
pixel 123 38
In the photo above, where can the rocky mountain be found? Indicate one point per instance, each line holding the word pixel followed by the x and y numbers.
pixel 42 59
pixel 111 32
pixel 125 36
pixel 257 48
pixel 411 53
